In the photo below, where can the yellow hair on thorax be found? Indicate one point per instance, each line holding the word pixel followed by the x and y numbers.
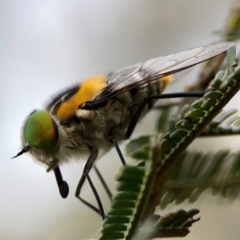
pixel 164 81
pixel 88 89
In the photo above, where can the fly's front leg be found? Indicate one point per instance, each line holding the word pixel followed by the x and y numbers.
pixel 62 185
pixel 85 175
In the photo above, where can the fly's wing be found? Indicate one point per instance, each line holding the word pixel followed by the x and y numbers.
pixel 130 77
pixel 157 68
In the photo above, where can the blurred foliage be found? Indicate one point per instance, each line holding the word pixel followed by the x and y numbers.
pixel 231 32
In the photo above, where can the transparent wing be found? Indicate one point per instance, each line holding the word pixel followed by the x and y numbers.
pixel 156 68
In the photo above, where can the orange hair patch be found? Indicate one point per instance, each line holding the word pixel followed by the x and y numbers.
pixel 88 89
pixel 165 81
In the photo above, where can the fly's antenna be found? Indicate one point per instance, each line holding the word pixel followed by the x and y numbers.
pixel 24 150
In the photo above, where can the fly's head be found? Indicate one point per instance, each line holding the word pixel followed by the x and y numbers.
pixel 40 137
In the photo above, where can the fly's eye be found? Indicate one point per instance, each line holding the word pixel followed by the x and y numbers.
pixel 40 131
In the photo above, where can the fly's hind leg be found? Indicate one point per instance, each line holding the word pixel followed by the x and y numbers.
pixel 114 142
pixel 147 100
pixel 140 109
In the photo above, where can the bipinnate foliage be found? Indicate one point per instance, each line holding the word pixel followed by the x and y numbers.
pixel 167 172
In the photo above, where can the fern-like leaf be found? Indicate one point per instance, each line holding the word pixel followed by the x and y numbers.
pixel 194 172
pixel 175 224
pixel 141 188
pixel 226 123
pixel 128 207
pixel 194 119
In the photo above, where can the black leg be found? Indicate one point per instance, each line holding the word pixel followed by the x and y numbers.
pixel 119 152
pixel 146 100
pixel 85 175
pixel 62 185
pixel 103 182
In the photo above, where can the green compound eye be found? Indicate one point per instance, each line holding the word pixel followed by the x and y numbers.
pixel 40 131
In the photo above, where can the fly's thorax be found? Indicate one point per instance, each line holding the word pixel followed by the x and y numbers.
pixel 65 104
pixel 72 144
pixel 89 129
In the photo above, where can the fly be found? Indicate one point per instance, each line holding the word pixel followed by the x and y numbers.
pixel 102 111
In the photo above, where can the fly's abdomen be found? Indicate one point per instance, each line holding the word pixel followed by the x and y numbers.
pixel 129 102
